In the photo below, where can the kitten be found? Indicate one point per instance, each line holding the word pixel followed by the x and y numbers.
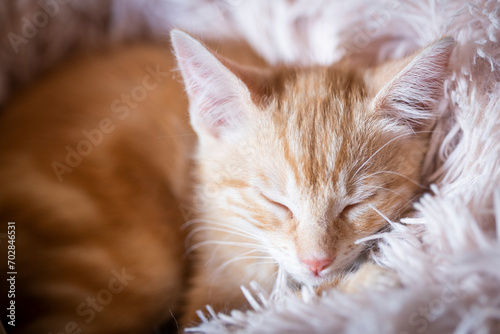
pixel 290 165
pixel 94 161
pixel 295 164
pixel 95 167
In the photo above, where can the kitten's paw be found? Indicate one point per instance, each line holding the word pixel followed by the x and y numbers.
pixel 370 276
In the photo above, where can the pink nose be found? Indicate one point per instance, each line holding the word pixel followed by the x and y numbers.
pixel 317 265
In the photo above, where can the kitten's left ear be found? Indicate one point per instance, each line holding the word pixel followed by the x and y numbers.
pixel 413 94
pixel 219 100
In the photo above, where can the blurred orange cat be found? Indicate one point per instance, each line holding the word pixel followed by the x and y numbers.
pixel 287 167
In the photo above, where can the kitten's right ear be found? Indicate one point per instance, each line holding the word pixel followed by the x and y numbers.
pixel 219 100
pixel 412 95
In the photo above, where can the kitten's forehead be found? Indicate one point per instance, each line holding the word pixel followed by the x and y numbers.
pixel 316 113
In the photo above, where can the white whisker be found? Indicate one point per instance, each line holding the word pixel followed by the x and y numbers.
pixel 398 174
pixel 390 141
pixel 262 262
pixel 209 222
pixel 226 243
pixel 211 228
pixel 392 191
pixel 244 256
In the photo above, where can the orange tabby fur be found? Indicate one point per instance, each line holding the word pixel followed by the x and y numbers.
pixel 116 210
pixel 297 164
pixel 290 163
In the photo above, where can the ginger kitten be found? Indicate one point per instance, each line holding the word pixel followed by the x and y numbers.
pixel 95 167
pixel 94 161
pixel 295 164
pixel 290 168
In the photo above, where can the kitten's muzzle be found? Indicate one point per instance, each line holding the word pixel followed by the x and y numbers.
pixel 317 265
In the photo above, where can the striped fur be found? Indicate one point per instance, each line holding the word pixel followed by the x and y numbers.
pixel 300 163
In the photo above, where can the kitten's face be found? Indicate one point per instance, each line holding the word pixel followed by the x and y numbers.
pixel 313 159
pixel 315 165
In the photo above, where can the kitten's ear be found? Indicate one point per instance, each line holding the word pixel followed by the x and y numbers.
pixel 413 94
pixel 219 100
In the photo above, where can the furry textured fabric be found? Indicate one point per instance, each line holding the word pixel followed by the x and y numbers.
pixel 448 256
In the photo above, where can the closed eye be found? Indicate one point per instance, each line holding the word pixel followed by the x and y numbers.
pixel 279 205
pixel 348 209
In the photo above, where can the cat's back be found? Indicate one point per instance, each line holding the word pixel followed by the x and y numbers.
pixel 93 165
pixel 98 99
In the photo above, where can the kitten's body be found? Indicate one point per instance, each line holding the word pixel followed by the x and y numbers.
pixel 285 156
pixel 115 211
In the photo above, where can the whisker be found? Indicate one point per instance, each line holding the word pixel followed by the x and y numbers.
pixel 226 243
pixel 239 258
pixel 210 222
pixel 211 228
pixel 392 191
pixel 261 262
pixel 390 141
pixel 398 174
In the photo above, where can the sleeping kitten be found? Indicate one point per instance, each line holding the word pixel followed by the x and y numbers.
pixel 292 166
pixel 95 164
pixel 295 164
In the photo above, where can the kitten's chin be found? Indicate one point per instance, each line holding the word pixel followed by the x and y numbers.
pixel 310 280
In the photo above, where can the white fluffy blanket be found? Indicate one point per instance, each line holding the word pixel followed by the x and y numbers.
pixel 448 257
